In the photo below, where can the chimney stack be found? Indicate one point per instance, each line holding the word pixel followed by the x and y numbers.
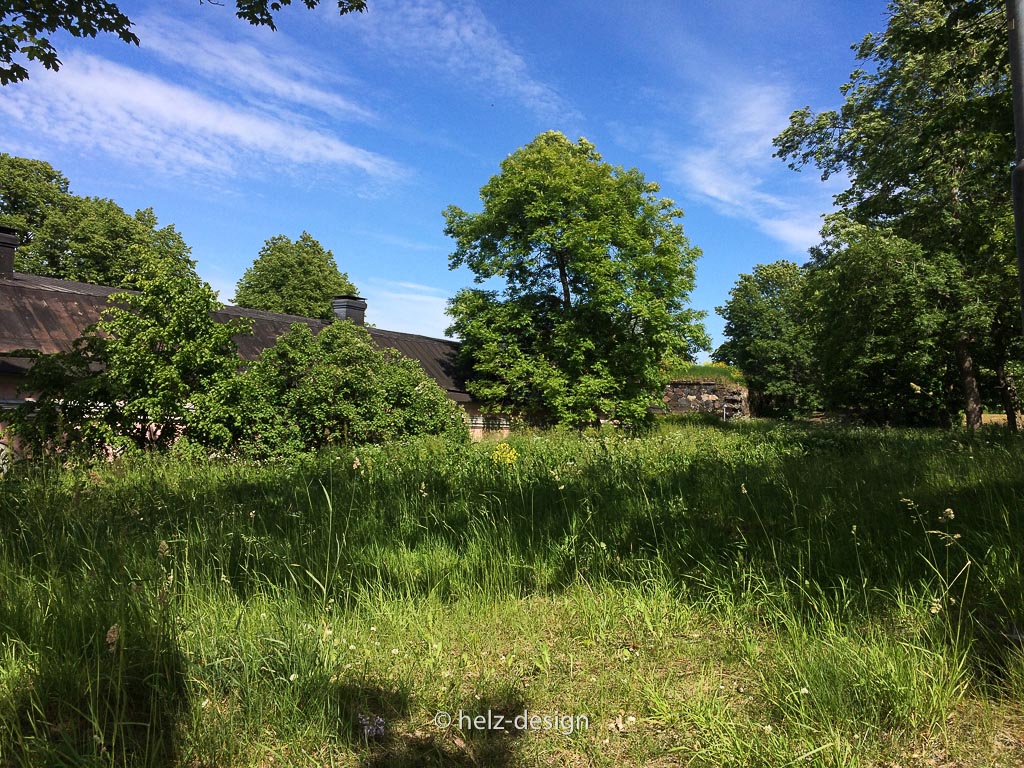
pixel 350 308
pixel 9 241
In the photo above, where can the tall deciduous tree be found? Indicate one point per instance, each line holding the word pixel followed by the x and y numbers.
pixel 770 339
pixel 295 277
pixel 596 275
pixel 925 134
pixel 25 26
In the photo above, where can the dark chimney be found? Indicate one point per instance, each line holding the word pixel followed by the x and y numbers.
pixel 350 308
pixel 9 240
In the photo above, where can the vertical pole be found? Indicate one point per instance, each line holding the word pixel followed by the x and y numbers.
pixel 1015 17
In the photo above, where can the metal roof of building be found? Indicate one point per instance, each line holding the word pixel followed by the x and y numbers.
pixel 46 315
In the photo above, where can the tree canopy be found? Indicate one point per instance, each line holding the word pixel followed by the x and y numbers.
pixel 25 26
pixel 925 135
pixel 770 340
pixel 596 275
pixel 296 277
pixel 143 375
pixel 88 239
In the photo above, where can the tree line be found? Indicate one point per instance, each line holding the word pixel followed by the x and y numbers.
pixel 907 311
pixel 159 370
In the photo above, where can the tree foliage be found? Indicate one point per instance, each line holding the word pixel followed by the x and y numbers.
pixel 333 388
pixel 770 340
pixel 596 275
pixel 295 277
pixel 925 135
pixel 25 26
pixel 878 312
pixel 88 239
pixel 143 375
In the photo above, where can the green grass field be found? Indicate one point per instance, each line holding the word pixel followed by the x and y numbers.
pixel 747 594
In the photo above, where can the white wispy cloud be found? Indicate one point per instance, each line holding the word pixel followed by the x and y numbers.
pixel 404 306
pixel 258 72
pixel 457 41
pixel 96 105
pixel 728 162
pixel 733 164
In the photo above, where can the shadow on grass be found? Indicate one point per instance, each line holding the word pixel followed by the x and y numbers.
pixel 464 743
pixel 95 698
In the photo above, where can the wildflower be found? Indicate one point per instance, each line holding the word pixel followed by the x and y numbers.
pixel 163 549
pixel 853 530
pixel 743 488
pixel 946 515
pixel 804 691
pixel 356 463
pixel 935 607
pixel 423 489
pixel 293 677
pixel 504 453
pixel 113 635
pixel 394 651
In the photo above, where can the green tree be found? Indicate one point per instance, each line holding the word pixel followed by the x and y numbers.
pixel 29 190
pixel 597 273
pixel 25 26
pixel 877 304
pixel 89 239
pixel 336 387
pixel 770 339
pixel 925 135
pixel 295 277
pixel 144 374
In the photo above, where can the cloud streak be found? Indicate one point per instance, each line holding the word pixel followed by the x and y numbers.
pixel 457 41
pixel 257 72
pixel 139 118
pixel 730 165
pixel 407 307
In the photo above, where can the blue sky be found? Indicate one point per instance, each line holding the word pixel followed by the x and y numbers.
pixel 361 129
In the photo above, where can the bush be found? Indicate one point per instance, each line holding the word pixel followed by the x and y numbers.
pixel 311 391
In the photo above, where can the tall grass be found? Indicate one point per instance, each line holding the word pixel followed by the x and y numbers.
pixel 833 595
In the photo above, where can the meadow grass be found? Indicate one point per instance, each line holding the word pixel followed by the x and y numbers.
pixel 748 594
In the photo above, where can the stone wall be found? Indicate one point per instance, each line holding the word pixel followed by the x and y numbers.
pixel 706 396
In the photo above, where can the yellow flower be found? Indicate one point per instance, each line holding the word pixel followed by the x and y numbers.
pixel 504 453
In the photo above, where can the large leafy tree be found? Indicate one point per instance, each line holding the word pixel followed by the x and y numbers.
pixel 296 277
pixel 925 135
pixel 769 338
pixel 877 305
pixel 26 26
pixel 89 239
pixel 595 272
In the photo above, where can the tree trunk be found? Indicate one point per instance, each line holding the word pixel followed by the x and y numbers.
pixel 969 383
pixel 563 275
pixel 1008 392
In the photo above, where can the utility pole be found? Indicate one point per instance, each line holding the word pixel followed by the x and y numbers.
pixel 1015 17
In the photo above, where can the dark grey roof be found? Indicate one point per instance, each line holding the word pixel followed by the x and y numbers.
pixel 46 315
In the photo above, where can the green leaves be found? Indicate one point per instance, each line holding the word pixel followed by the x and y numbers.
pixel 596 273
pixel 925 136
pixel 310 391
pixel 88 239
pixel 770 339
pixel 296 278
pixel 23 24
